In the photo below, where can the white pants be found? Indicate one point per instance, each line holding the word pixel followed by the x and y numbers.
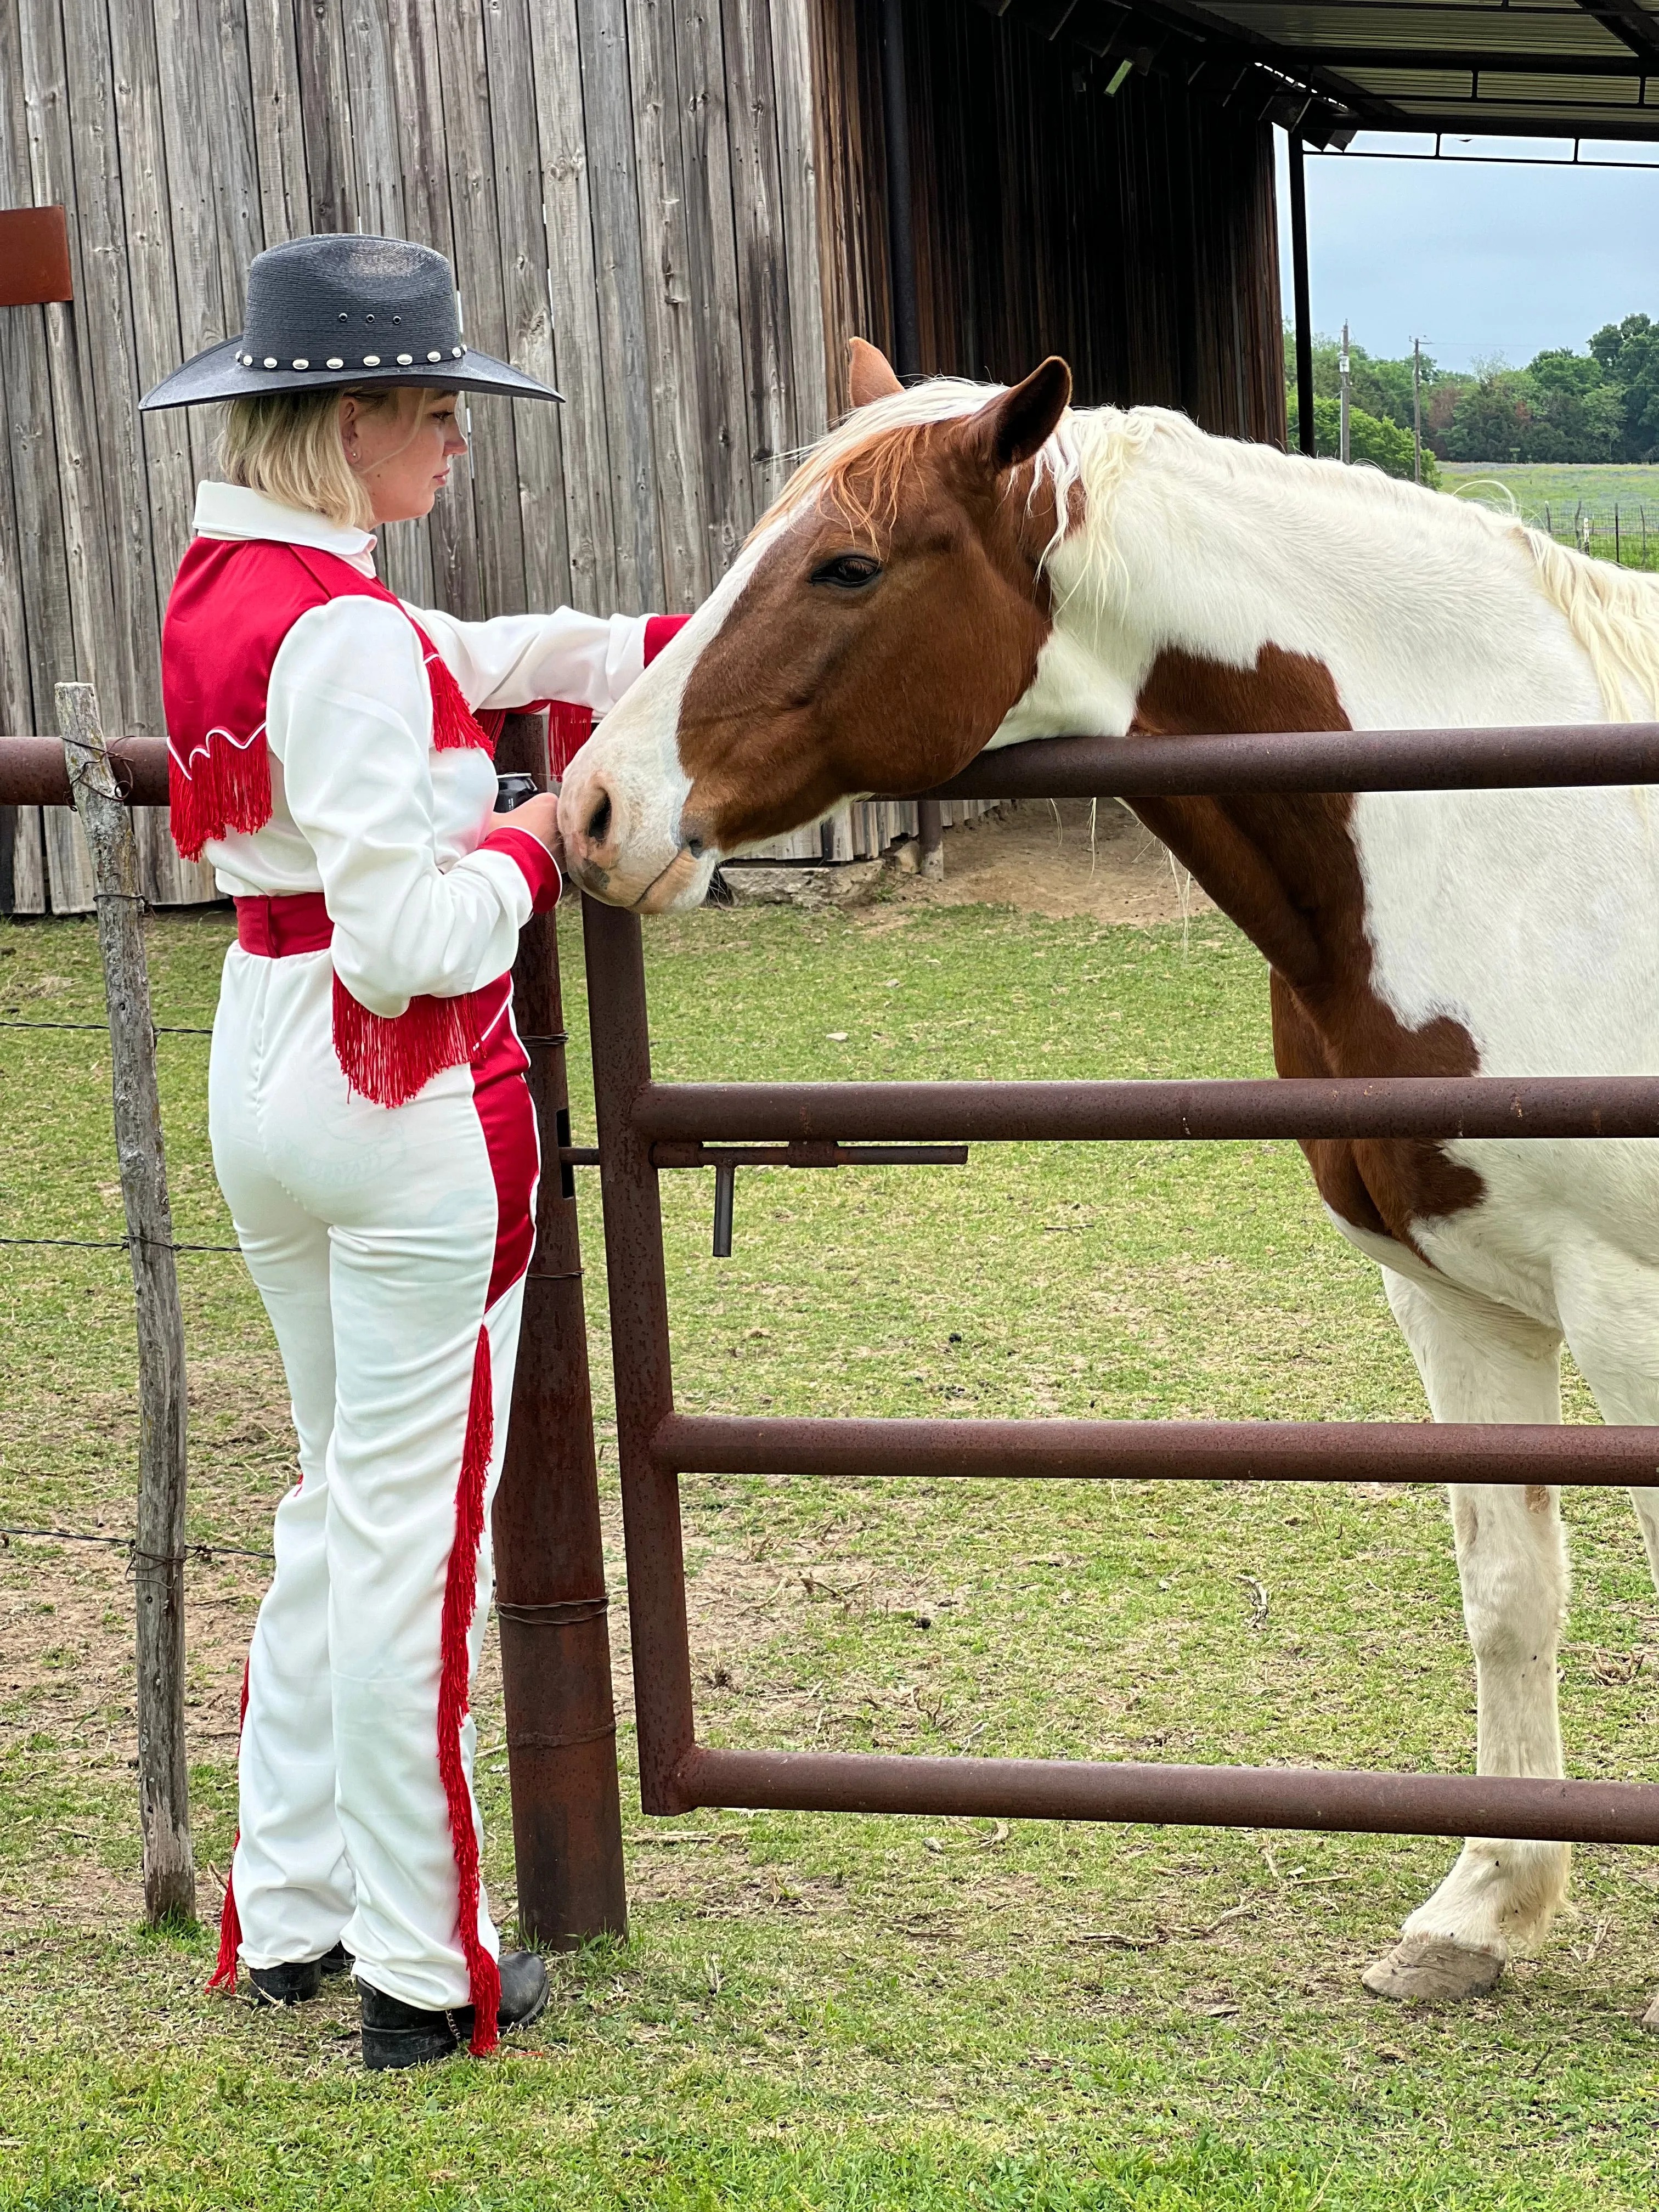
pixel 389 1246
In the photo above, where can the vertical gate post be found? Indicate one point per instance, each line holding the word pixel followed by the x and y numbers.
pixel 640 1353
pixel 550 1551
pixel 907 306
pixel 1306 439
pixel 158 1550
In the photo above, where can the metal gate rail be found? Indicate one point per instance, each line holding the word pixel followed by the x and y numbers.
pixel 646 1128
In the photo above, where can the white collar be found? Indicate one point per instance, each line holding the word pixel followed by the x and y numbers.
pixel 225 510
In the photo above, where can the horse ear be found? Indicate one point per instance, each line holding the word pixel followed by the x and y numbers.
pixel 1020 422
pixel 870 373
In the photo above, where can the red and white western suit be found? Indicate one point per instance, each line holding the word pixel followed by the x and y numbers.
pixel 372 1135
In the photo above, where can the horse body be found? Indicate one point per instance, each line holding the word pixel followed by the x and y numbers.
pixel 960 567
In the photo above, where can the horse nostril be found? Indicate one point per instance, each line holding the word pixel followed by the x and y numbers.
pixel 694 846
pixel 598 822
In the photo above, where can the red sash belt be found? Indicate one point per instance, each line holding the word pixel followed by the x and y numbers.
pixel 385 1058
pixel 275 928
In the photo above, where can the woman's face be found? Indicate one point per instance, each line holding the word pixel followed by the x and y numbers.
pixel 400 453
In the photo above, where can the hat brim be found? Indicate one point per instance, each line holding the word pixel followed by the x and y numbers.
pixel 219 374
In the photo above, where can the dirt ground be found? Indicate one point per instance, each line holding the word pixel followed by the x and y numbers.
pixel 1065 857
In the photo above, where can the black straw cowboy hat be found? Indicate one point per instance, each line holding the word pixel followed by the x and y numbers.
pixel 344 312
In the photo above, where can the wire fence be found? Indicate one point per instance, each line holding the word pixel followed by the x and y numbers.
pixel 1621 533
pixel 113 1244
pixel 202 1552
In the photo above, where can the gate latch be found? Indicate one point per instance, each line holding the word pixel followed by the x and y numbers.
pixel 807 1152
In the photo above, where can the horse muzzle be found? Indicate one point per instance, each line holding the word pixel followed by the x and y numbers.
pixel 629 849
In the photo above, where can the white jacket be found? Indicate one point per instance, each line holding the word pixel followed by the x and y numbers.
pixel 363 809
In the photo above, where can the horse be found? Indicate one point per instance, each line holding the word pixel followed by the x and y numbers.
pixel 958 567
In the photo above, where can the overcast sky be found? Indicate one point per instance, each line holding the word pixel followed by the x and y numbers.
pixel 1477 259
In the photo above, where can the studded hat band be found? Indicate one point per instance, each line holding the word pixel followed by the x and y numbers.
pixel 370 361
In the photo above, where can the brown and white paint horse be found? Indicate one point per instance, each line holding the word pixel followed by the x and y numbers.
pixel 958 567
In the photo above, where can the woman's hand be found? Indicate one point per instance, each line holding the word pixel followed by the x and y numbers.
pixel 540 817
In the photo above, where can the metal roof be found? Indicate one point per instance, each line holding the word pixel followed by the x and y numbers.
pixel 1514 68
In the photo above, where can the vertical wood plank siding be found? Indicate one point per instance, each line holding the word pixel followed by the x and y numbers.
pixel 673 210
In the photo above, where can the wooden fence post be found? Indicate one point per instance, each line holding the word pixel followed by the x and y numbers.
pixel 158 1559
pixel 550 1597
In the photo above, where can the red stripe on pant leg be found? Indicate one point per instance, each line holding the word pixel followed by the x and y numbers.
pixel 460 1596
pixel 230 1921
pixel 507 1119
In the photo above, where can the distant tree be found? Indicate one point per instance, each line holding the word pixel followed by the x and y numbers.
pixel 1627 353
pixel 1599 405
pixel 1606 408
pixel 1494 421
pixel 1371 438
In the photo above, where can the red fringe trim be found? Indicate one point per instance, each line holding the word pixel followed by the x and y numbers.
pixel 460 1596
pixel 453 722
pixel 387 1058
pixel 229 787
pixel 230 1921
pixel 568 729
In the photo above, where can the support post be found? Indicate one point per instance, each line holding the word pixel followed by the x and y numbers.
pixel 158 1554
pixel 1342 371
pixel 1305 385
pixel 549 1553
pixel 901 213
pixel 906 310
pixel 640 1354
pixel 1417 411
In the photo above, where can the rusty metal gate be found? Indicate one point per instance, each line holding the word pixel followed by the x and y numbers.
pixel 552 1603
pixel 646 1127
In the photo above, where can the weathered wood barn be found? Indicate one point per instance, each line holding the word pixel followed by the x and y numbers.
pixel 679 213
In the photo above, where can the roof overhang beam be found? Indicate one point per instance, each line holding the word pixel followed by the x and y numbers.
pixel 1628 20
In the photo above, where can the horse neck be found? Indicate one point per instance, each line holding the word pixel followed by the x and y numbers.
pixel 1423 611
pixel 1224 588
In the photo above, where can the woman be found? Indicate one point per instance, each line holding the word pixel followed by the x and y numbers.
pixel 372 1129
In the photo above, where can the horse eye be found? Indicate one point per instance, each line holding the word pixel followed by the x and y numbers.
pixel 847 571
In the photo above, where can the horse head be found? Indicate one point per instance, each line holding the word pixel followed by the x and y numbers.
pixel 873 634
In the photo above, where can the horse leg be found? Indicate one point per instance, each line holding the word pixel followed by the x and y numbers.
pixel 1611 1314
pixel 1481 1362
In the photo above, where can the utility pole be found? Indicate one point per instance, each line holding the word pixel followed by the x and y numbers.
pixel 1417 411
pixel 1342 366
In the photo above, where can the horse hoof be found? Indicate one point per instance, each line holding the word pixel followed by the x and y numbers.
pixel 1432 1970
pixel 1650 2018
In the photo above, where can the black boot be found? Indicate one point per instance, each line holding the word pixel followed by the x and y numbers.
pixel 297 1983
pixel 398 2034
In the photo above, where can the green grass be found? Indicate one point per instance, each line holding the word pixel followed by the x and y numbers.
pixel 1598 485
pixel 1552 495
pixel 822 2012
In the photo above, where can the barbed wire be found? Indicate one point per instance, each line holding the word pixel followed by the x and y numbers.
pixel 162 1028
pixel 115 1244
pixel 203 1552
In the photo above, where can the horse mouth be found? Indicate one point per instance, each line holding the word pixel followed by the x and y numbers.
pixel 660 895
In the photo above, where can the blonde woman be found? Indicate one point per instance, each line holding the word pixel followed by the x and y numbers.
pixel 372 1129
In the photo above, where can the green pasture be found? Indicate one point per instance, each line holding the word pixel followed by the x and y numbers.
pixel 1544 492
pixel 814 2011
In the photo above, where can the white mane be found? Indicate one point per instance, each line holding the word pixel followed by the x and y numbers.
pixel 1613 613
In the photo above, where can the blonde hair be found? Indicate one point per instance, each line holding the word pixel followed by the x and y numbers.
pixel 287 445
